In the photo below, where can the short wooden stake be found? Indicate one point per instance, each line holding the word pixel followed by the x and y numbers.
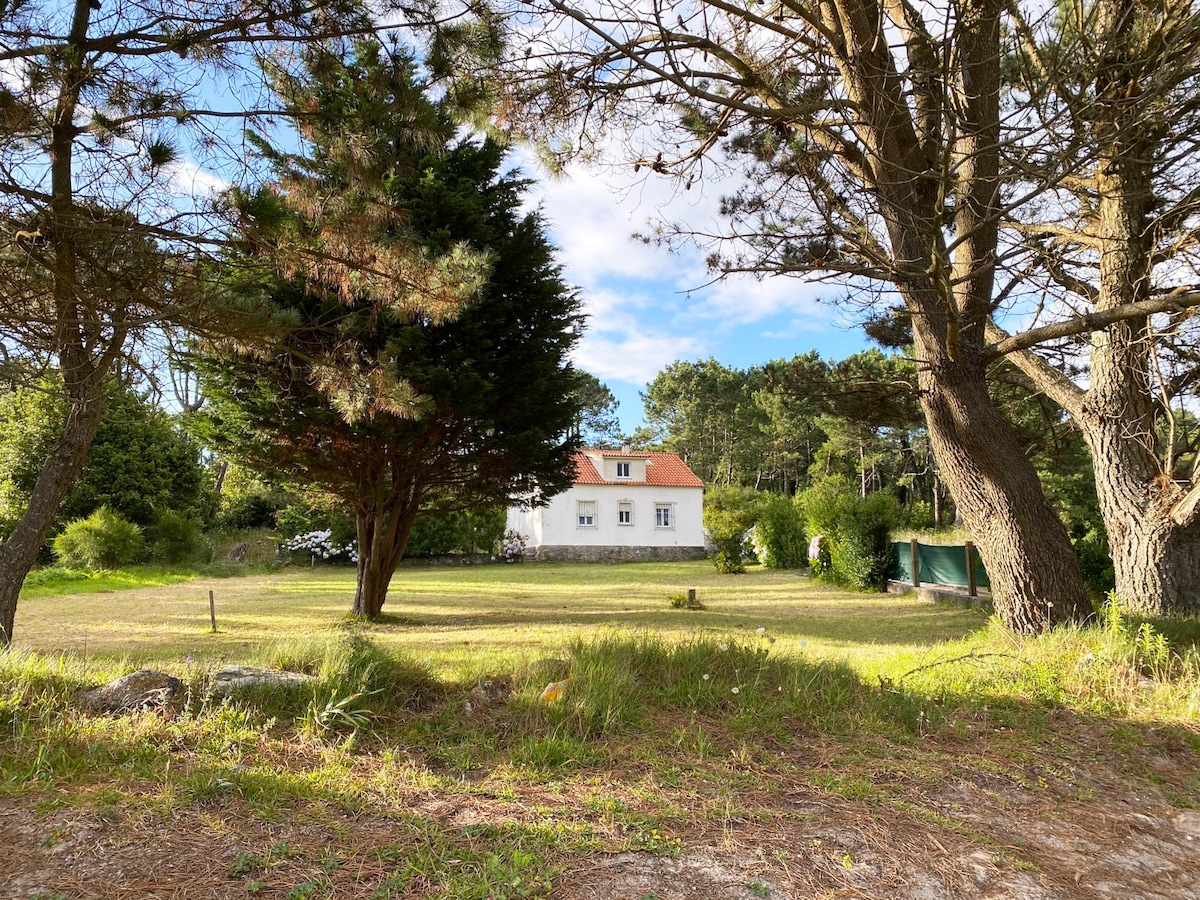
pixel 691 596
pixel 970 549
pixel 212 611
pixel 915 549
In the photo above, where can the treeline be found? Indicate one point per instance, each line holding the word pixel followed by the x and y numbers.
pixel 787 426
pixel 149 491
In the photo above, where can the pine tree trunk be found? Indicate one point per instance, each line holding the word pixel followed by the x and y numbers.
pixel 383 532
pixel 1156 559
pixel 1155 549
pixel 74 342
pixel 1035 577
pixel 1157 566
pixel 55 479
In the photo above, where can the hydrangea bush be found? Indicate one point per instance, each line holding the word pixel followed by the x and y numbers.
pixel 513 548
pixel 320 545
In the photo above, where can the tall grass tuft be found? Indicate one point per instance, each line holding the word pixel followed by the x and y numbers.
pixel 621 683
pixel 347 662
pixel 1114 667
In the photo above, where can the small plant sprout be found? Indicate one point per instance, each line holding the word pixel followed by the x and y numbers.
pixel 340 714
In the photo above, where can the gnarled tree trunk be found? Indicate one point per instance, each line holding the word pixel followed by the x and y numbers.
pixel 55 479
pixel 86 346
pixel 1153 532
pixel 1035 577
pixel 1036 582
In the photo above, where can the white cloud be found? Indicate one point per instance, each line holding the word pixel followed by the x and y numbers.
pixel 624 342
pixel 593 213
pixel 744 301
pixel 593 224
pixel 633 357
pixel 191 180
pixel 647 306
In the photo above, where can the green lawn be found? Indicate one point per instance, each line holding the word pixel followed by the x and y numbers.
pixel 454 618
pixel 814 742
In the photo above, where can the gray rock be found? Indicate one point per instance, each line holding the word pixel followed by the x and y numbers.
pixel 141 690
pixel 233 679
pixel 486 694
pixel 237 553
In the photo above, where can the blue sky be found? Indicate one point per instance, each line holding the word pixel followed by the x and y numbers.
pixel 647 306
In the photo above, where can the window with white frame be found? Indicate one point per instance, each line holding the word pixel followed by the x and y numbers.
pixel 664 516
pixel 586 511
pixel 625 512
pixel 623 470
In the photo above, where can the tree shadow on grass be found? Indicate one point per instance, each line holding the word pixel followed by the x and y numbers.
pixel 910 625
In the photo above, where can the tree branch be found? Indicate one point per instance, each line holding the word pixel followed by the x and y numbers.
pixel 1176 301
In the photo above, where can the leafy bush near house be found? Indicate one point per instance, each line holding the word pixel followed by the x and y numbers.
pixel 104 540
pixel 780 534
pixel 322 544
pixel 462 531
pixel 856 529
pixel 729 512
pixel 247 503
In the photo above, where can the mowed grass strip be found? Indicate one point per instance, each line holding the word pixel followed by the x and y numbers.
pixel 460 618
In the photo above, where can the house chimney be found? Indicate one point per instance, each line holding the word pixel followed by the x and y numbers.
pixel 625 449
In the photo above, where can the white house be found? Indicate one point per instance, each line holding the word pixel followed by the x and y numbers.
pixel 624 505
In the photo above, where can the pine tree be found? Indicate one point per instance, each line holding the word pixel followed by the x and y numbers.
pixel 390 405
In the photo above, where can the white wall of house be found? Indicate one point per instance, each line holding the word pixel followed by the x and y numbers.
pixel 558 524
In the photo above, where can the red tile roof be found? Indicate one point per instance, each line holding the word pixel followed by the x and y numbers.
pixel 662 470
pixel 622 454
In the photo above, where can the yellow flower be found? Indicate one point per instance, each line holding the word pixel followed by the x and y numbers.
pixel 555 690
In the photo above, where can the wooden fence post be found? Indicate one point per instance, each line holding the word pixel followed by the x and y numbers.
pixel 970 550
pixel 212 611
pixel 915 548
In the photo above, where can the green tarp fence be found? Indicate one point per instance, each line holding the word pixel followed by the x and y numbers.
pixel 937 565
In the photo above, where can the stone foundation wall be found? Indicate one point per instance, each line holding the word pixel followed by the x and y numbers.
pixel 454 559
pixel 566 553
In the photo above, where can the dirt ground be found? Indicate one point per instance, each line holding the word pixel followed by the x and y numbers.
pixel 970 835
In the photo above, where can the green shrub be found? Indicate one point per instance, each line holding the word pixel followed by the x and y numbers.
pixel 862 553
pixel 247 512
pixel 104 540
pixel 780 534
pixel 856 529
pixel 729 512
pixel 462 531
pixel 917 516
pixel 1095 562
pixel 685 601
pixel 305 518
pixel 177 538
pixel 246 502
pixel 433 536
